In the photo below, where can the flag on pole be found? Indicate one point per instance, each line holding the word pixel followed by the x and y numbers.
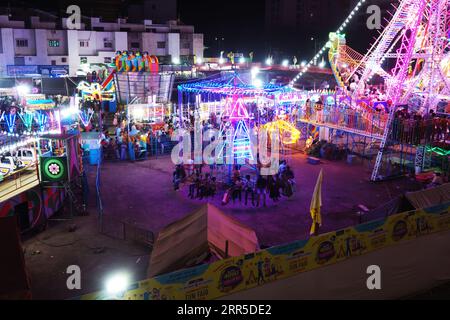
pixel 316 203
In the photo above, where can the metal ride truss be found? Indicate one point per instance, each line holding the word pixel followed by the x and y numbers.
pixel 410 19
pixel 418 38
pixel 431 46
pixel 427 76
pixel 423 158
pixel 373 60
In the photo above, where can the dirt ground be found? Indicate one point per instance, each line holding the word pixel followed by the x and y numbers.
pixel 142 192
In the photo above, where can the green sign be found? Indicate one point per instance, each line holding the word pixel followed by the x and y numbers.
pixel 53 169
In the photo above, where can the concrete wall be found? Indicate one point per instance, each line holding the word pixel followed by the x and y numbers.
pixel 406 268
pixel 61 36
pixel 7 55
pixel 87 37
pixel 36 23
pixel 73 49
pixel 6 23
pixel 41 47
pixel 173 45
pixel 102 37
pixel 25 34
pixel 198 47
pixel 121 41
pixel 134 38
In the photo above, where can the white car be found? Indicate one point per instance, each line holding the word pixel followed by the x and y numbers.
pixel 26 155
pixel 8 165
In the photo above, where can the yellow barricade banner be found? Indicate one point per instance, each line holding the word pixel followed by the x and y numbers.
pixel 211 281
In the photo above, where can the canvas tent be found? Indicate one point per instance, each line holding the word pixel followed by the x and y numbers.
pixel 410 201
pixel 393 206
pixel 190 240
pixel 429 197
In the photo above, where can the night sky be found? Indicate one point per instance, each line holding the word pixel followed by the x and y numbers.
pixel 241 23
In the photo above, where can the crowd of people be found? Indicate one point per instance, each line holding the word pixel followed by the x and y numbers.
pixel 137 141
pixel 407 127
pixel 273 186
pixel 240 188
pixel 416 127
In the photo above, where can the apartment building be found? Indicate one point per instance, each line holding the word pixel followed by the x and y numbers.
pixel 49 48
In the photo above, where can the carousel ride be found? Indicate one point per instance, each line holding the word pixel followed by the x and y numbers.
pixel 231 103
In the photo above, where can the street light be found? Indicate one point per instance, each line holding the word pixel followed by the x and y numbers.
pixel 258 83
pixel 254 71
pixel 269 61
pixel 176 60
pixel 117 283
pixel 303 64
pixel 285 63
pixel 23 89
pixel 241 60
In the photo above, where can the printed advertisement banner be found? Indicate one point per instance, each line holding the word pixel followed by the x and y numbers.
pixel 240 273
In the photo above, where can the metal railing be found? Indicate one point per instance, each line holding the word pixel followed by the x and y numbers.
pixel 127 230
pixel 98 191
pixel 122 229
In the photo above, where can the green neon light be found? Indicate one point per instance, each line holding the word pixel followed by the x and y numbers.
pixel 439 151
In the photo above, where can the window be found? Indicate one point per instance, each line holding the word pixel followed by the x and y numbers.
pixel 186 45
pixel 161 45
pixel 107 44
pixel 19 61
pixel 135 45
pixel 22 43
pixel 53 43
pixel 84 43
pixel 27 153
pixel 53 62
pixel 64 59
pixel 107 60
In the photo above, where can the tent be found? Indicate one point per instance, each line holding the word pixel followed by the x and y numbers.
pixel 410 201
pixel 192 239
pixel 393 206
pixel 429 197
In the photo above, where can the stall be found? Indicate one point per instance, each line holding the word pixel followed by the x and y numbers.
pixel 91 144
